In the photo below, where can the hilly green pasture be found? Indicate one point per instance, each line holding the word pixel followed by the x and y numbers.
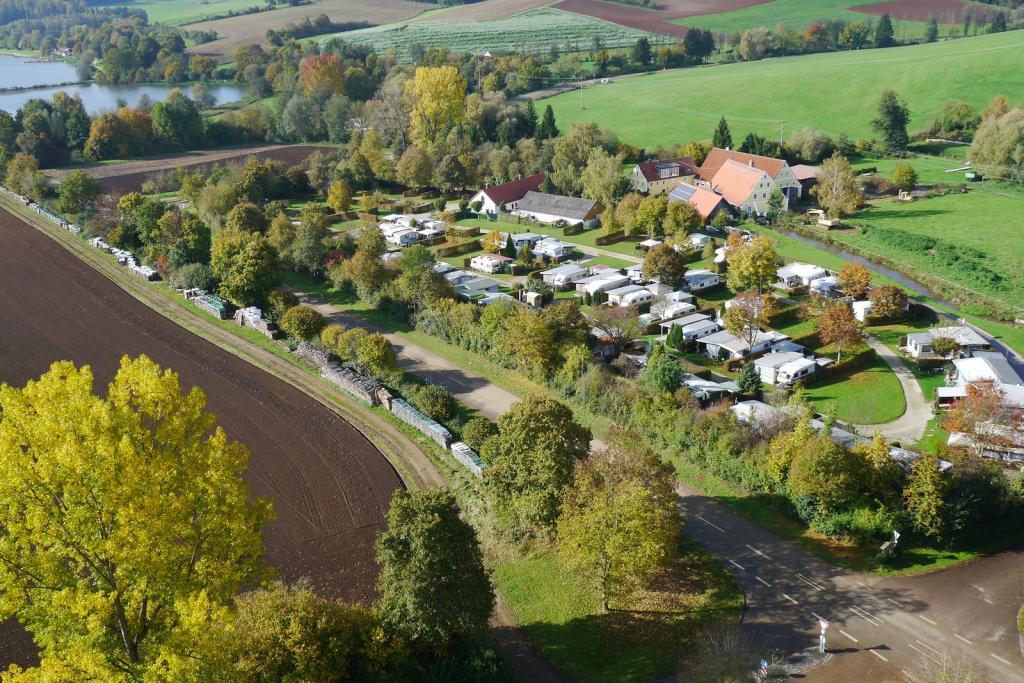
pixel 834 92
pixel 178 12
pixel 530 31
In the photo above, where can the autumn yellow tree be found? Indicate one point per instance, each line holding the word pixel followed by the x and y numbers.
pixel 836 190
pixel 854 279
pixel 753 265
pixel 127 527
pixel 436 98
pixel 838 327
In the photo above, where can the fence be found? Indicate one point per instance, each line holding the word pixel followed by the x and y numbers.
pixel 469 459
pixel 351 381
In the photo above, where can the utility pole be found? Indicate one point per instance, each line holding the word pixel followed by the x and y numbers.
pixel 782 134
pixel 581 93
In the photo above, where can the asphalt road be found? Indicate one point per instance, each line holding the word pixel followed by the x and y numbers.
pixel 910 426
pixel 879 628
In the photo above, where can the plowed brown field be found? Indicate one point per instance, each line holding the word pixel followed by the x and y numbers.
pixel 128 176
pixel 654 20
pixel 330 486
pixel 945 11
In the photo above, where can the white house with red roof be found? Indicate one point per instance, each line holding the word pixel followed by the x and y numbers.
pixel 661 175
pixel 506 195
pixel 746 188
pixel 706 202
pixel 778 170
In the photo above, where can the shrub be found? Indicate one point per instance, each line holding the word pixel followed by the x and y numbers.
pixel 435 401
pixel 477 431
pixel 302 322
pixel 279 301
pixel 332 339
pixel 192 276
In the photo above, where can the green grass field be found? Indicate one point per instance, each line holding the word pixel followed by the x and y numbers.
pixel 562 615
pixel 986 222
pixel 835 92
pixel 872 395
pixel 797 14
pixel 178 12
pixel 533 30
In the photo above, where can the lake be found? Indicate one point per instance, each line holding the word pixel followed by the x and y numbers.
pixel 16 71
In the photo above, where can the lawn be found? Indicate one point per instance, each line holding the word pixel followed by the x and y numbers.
pixel 178 12
pixel 586 238
pixel 639 641
pixel 834 92
pixel 797 14
pixel 982 230
pixel 872 395
pixel 535 30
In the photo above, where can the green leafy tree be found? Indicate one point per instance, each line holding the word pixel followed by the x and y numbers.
pixel 547 129
pixel 602 177
pixel 892 120
pixel 620 524
pixel 887 302
pixel 510 247
pixel 289 633
pixel 374 353
pixel 339 196
pixel 177 123
pixel 827 473
pixel 127 525
pixel 435 401
pixel 925 496
pixel 998 24
pixel 675 338
pixel 750 380
pixel 302 322
pixel 650 215
pixel 681 219
pixel 662 373
pixel 246 217
pixel 76 192
pixel 477 431
pixel 642 51
pixel 246 265
pixel 531 460
pixel 885 36
pixel 903 177
pixel 945 346
pixel 279 301
pixel 433 587
pixel 666 264
pixel 931 31
pixel 722 137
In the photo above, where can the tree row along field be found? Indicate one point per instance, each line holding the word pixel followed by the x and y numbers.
pixel 533 30
pixel 835 92
pixel 330 486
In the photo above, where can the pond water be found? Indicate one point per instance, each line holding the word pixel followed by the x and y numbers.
pixel 18 72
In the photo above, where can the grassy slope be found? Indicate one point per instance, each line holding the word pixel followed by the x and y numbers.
pixel 872 395
pixel 563 616
pixel 178 12
pixel 533 30
pixel 838 91
pixel 988 222
pixel 795 13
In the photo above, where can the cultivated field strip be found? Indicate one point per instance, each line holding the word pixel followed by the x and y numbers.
pixel 330 486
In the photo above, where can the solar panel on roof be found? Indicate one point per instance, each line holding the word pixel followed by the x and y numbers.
pixel 683 192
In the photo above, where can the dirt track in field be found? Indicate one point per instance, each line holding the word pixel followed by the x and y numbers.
pixel 252 28
pixel 944 11
pixel 485 10
pixel 329 485
pixel 128 176
pixel 656 20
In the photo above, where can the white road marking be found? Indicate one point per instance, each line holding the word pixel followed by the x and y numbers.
pixel 711 523
pixel 864 615
pixel 848 636
pixel 922 653
pixel 928 646
pixel 875 653
pixel 809 582
pixel 957 635
pixel 862 584
pixel 907 673
pixel 995 656
pixel 758 551
pixel 737 564
pixel 928 620
pixel 763 581
pixel 895 603
pixel 790 599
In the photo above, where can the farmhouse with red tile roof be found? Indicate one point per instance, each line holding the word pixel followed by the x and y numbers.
pixel 706 202
pixel 661 175
pixel 777 170
pixel 746 188
pixel 507 194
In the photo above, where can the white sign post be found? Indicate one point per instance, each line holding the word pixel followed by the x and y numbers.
pixel 821 639
pixel 895 537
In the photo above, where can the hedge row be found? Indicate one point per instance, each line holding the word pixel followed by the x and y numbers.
pixel 574 229
pixel 617 236
pixel 457 249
